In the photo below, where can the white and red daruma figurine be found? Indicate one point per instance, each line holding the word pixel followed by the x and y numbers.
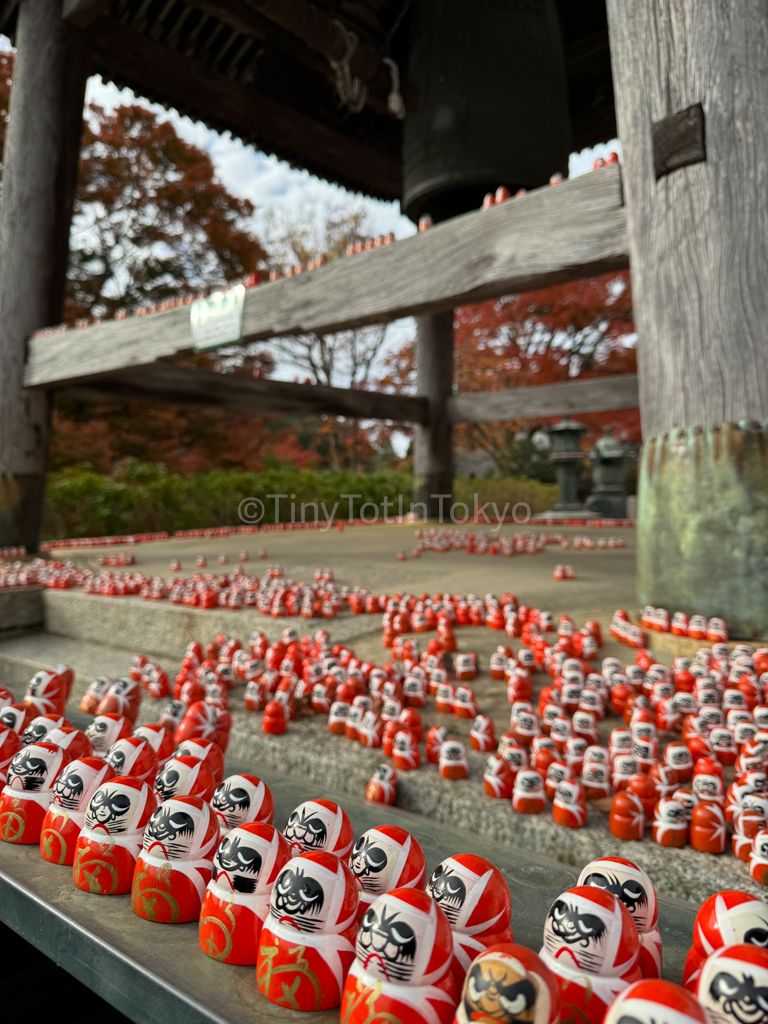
pixel 236 900
pixel 240 800
pixel 655 1002
pixel 135 757
pixel 733 985
pixel 319 825
pixel 638 894
pixel 74 786
pixel 528 796
pixel 725 919
pixel 307 942
pixel 184 775
pixel 382 787
pixel 385 858
pixel 28 791
pixel 498 778
pixel 569 807
pixel 402 966
pixel 482 735
pixel 160 739
pixel 176 861
pixel 453 761
pixel 475 898
pixel 111 838
pixel 508 984
pixel 405 751
pixel 591 945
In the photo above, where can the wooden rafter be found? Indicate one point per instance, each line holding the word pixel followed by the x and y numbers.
pixel 134 58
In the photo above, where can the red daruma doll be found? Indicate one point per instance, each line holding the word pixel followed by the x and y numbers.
pixel 236 901
pixel 475 898
pixel 74 786
pixel 591 945
pixel 319 825
pixel 386 858
pixel 307 943
pixel 241 799
pixel 109 842
pixel 176 861
pixel 508 984
pixel 402 967
pixel 637 892
pixel 28 792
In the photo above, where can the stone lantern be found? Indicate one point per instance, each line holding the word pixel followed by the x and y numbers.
pixel 609 496
pixel 566 455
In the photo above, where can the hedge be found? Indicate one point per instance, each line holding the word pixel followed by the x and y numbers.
pixel 145 497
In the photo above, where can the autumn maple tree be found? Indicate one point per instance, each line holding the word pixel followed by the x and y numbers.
pixel 582 329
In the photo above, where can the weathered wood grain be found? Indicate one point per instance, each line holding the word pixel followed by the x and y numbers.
pixel 433 441
pixel 597 394
pixel 168 383
pixel 548 236
pixel 698 236
pixel 39 174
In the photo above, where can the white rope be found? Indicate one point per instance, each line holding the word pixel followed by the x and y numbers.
pixel 351 90
pixel 395 103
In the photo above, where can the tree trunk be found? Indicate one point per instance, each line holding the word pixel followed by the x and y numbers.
pixel 433 442
pixel 39 178
pixel 698 224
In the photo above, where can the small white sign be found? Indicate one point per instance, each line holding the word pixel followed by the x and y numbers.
pixel 218 319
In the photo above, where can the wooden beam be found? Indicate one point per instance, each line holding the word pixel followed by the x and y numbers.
pixel 168 383
pixel 83 12
pixel 178 81
pixel 39 178
pixel 594 394
pixel 548 236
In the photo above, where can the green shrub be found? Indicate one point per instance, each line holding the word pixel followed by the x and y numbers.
pixel 144 497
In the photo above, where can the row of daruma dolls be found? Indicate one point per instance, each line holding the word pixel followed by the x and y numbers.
pixel 327 921
pixel 695 627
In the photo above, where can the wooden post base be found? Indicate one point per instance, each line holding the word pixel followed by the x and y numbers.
pixel 702 533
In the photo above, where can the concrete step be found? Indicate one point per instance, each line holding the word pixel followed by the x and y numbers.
pixel 166 629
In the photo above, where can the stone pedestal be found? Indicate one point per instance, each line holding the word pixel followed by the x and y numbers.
pixel 702 535
pixel 608 497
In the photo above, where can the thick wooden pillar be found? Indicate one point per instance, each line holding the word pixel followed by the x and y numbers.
pixel 39 176
pixel 433 442
pixel 696 188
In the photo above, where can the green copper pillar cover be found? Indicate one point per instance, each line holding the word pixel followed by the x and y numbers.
pixel 702 533
pixel 493 103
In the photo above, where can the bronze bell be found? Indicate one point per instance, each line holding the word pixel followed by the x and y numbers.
pixel 493 103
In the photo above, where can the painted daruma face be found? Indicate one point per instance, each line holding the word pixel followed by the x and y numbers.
pixel 238 861
pixel 34 768
pixel 499 986
pixel 627 882
pixel 299 897
pixel 112 809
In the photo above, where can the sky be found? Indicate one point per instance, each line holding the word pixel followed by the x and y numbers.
pixel 272 185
